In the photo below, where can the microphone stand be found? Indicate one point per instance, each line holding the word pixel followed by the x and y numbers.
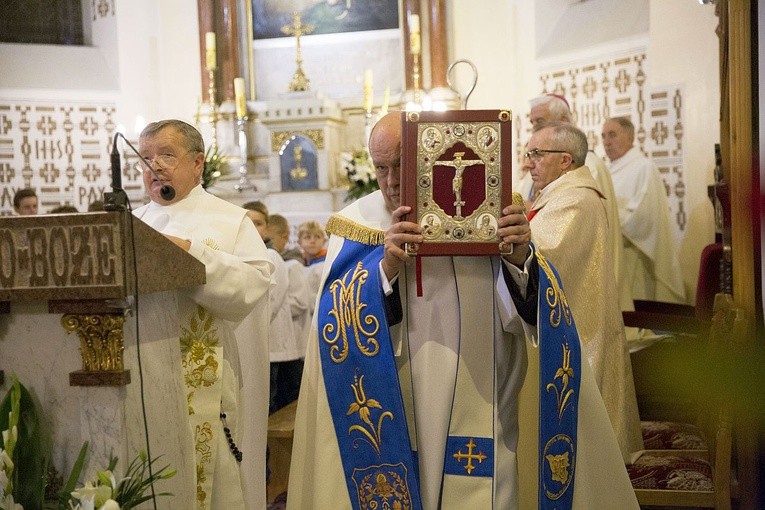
pixel 116 200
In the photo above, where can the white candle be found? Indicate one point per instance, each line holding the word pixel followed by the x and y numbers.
pixel 210 57
pixel 414 34
pixel 368 90
pixel 239 98
pixel 386 101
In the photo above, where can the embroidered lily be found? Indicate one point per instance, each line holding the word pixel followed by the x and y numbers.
pixel 363 407
pixel 564 373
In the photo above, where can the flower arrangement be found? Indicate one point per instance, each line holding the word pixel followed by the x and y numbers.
pixel 23 463
pixel 361 174
pixel 108 493
pixel 215 166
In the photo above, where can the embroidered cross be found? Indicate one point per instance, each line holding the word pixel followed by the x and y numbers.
pixel 470 456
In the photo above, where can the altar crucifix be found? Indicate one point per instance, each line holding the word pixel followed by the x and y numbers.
pixel 299 81
pixel 459 166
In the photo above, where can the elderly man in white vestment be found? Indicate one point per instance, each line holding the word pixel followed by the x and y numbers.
pixel 237 270
pixel 569 226
pixel 651 263
pixel 464 318
pixel 555 108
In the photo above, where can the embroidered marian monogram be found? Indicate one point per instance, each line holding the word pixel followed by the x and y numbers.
pixel 554 296
pixel 363 407
pixel 347 309
pixel 470 456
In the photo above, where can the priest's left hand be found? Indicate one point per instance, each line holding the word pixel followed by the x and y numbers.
pixel 514 229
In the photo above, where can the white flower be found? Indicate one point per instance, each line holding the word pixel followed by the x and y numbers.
pixel 110 505
pixel 91 495
pixel 7 503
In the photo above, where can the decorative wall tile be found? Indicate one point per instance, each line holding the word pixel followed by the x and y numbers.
pixel 616 85
pixel 61 150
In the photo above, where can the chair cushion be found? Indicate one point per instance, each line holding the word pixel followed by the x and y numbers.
pixel 670 472
pixel 669 435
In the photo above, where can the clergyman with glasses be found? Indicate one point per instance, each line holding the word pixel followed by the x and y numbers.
pixel 238 273
pixel 569 226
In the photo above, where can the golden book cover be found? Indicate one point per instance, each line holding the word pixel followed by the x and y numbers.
pixel 457 178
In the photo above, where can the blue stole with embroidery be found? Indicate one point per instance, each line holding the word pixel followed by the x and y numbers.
pixel 559 375
pixel 361 381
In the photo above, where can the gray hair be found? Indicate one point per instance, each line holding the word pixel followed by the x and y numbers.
pixel 558 107
pixel 626 125
pixel 569 138
pixel 192 138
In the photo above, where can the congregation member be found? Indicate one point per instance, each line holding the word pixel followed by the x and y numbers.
pixel 312 240
pixel 25 202
pixel 413 402
pixel 651 266
pixel 285 350
pixel 569 226
pixel 237 270
pixel 300 297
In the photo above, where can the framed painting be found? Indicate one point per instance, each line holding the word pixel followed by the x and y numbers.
pixel 325 16
pixel 457 178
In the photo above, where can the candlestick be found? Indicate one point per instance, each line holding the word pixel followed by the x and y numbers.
pixel 239 98
pixel 210 50
pixel 368 90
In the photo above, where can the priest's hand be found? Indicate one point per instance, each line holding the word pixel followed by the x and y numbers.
pixel 181 243
pixel 514 229
pixel 400 233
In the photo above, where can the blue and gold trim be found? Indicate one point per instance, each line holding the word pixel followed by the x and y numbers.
pixel 559 375
pixel 362 385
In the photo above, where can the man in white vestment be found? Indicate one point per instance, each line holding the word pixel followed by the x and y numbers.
pixel 568 226
pixel 237 270
pixel 651 264
pixel 457 361
pixel 555 108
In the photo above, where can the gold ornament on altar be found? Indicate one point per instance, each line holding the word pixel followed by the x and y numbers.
pixel 299 81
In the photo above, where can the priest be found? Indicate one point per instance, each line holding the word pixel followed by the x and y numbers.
pixel 569 226
pixel 238 276
pixel 651 265
pixel 413 402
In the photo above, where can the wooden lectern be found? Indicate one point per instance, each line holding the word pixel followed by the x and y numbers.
pixel 107 277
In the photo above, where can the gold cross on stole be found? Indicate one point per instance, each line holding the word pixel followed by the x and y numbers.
pixel 470 456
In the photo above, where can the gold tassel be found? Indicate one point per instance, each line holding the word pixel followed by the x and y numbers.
pixel 343 227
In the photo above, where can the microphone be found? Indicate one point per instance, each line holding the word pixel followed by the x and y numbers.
pixel 116 200
pixel 167 192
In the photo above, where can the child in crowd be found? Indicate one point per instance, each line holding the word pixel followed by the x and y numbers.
pixel 285 351
pixel 311 238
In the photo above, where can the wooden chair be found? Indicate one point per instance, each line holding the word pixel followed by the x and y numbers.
pixel 700 478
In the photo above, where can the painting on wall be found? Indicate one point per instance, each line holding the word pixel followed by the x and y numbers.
pixel 326 16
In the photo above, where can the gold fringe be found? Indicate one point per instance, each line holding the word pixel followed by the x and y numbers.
pixel 343 227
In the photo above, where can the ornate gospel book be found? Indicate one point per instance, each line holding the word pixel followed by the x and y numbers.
pixel 457 178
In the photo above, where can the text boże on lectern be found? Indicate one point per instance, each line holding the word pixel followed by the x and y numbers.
pixel 105 276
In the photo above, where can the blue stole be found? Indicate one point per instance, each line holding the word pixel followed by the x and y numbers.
pixel 559 374
pixel 362 383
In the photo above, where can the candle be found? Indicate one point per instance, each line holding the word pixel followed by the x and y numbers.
pixel 210 51
pixel 386 101
pixel 241 105
pixel 414 34
pixel 368 90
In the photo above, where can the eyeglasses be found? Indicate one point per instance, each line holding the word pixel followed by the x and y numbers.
pixel 537 154
pixel 163 162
